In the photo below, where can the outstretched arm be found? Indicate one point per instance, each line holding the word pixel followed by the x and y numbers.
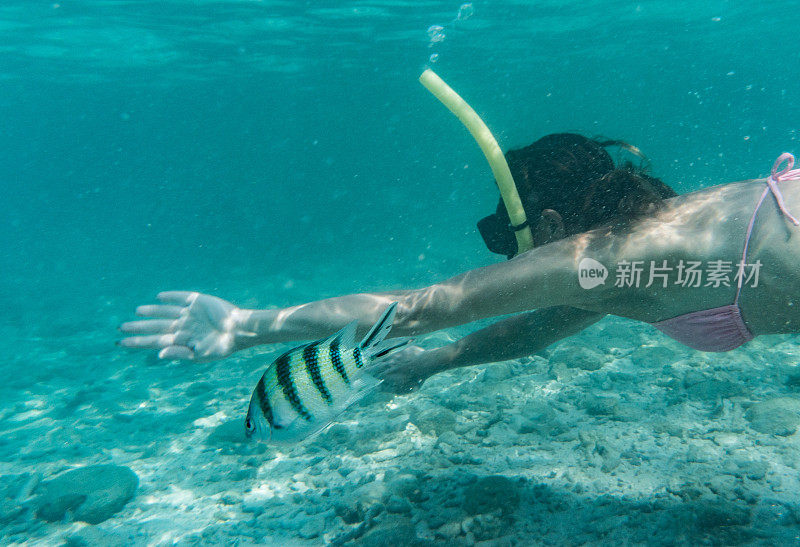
pixel 518 336
pixel 190 325
pixel 544 277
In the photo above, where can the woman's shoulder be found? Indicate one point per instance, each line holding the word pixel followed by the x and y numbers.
pixel 708 222
pixel 720 200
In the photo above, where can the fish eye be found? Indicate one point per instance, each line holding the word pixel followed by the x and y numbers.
pixel 249 425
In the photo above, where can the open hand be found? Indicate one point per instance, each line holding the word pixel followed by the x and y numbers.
pixel 186 325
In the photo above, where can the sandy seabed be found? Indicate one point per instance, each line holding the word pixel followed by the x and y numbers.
pixel 616 436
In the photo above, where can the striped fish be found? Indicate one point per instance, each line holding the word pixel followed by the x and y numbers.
pixel 304 389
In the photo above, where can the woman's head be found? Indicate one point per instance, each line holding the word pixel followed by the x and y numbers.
pixel 569 184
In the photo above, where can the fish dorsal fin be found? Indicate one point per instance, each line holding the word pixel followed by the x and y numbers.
pixel 380 329
pixel 345 336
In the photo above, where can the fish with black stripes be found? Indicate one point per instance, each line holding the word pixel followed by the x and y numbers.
pixel 304 389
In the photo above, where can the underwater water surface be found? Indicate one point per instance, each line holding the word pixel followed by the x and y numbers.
pixel 277 152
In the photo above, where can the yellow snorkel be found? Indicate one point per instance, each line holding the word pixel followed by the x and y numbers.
pixel 490 149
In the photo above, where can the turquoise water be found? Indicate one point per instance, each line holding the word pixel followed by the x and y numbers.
pixel 279 152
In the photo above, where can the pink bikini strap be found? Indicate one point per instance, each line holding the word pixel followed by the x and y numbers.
pixel 787 173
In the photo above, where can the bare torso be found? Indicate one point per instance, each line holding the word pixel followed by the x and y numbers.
pixel 705 226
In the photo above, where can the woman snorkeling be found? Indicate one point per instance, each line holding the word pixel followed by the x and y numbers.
pixel 568 184
pixel 711 269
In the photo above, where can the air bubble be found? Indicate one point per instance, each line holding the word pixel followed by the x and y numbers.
pixel 434 57
pixel 465 11
pixel 436 34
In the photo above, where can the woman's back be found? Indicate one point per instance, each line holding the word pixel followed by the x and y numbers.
pixel 685 257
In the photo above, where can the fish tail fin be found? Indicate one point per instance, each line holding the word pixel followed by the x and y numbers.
pixel 388 346
pixel 373 345
pixel 380 329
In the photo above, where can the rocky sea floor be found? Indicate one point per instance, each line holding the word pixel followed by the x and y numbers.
pixel 618 436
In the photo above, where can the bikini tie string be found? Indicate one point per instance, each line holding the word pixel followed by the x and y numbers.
pixel 787 173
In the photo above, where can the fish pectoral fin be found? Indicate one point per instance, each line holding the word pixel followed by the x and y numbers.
pixel 366 383
pixel 297 430
pixel 362 386
pixel 300 429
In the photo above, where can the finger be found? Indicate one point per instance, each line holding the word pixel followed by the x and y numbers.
pixel 176 352
pixel 148 342
pixel 159 310
pixel 162 326
pixel 182 298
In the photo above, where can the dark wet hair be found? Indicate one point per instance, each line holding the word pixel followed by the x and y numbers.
pixel 576 177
